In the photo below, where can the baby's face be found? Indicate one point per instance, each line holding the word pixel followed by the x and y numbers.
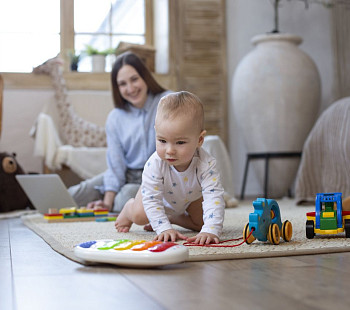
pixel 177 140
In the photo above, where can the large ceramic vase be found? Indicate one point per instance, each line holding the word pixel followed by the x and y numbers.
pixel 276 96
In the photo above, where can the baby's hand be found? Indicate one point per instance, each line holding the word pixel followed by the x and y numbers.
pixel 204 238
pixel 170 235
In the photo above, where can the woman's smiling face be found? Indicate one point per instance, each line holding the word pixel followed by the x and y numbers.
pixel 132 87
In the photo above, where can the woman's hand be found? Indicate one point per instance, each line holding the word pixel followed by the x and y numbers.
pixel 98 204
pixel 204 238
pixel 170 235
pixel 106 203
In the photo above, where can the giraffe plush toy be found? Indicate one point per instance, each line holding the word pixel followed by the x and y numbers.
pixel 75 130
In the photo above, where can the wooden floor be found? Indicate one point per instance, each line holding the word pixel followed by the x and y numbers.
pixel 33 276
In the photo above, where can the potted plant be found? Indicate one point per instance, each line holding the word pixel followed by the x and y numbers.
pixel 98 57
pixel 74 60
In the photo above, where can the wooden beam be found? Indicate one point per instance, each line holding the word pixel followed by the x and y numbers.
pixel 67 31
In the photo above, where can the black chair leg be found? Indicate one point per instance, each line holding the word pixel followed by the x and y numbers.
pixel 266 181
pixel 245 177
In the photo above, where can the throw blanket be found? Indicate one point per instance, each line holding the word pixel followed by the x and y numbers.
pixel 86 162
pixel 325 164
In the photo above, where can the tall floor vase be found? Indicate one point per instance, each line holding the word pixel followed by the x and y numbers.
pixel 276 97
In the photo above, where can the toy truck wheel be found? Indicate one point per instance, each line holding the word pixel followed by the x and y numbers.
pixel 310 232
pixel 246 232
pixel 347 228
pixel 287 231
pixel 274 234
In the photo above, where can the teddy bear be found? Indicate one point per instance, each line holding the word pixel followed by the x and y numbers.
pixel 12 197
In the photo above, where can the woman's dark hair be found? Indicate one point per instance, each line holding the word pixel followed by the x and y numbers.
pixel 131 59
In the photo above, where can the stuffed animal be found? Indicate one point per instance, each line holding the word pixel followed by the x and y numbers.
pixel 12 197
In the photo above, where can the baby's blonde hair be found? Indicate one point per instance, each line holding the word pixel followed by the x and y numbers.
pixel 182 103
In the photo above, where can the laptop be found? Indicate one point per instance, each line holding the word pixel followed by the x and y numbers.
pixel 46 191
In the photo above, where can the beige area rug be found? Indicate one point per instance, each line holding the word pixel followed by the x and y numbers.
pixel 63 236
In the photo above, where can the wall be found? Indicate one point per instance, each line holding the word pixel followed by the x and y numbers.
pixel 246 18
pixel 20 110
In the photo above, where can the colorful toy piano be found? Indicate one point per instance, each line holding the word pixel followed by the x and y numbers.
pixel 132 253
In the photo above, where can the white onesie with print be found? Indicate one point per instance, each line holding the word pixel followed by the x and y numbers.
pixel 167 191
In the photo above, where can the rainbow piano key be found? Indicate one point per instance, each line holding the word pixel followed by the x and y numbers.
pixel 132 253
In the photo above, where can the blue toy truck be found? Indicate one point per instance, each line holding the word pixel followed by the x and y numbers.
pixel 266 223
pixel 328 218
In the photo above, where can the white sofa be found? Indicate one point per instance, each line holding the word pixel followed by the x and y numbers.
pixel 93 106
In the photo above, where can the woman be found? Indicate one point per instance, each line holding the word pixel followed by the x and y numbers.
pixel 130 136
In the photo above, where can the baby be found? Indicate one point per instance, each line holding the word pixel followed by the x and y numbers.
pixel 180 183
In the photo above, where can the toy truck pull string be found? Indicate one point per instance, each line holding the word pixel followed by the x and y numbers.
pixel 266 223
pixel 328 218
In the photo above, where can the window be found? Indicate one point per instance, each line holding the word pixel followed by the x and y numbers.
pixel 113 21
pixel 27 36
pixel 30 31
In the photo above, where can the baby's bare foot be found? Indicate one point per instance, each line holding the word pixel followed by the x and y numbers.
pixel 148 227
pixel 122 224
